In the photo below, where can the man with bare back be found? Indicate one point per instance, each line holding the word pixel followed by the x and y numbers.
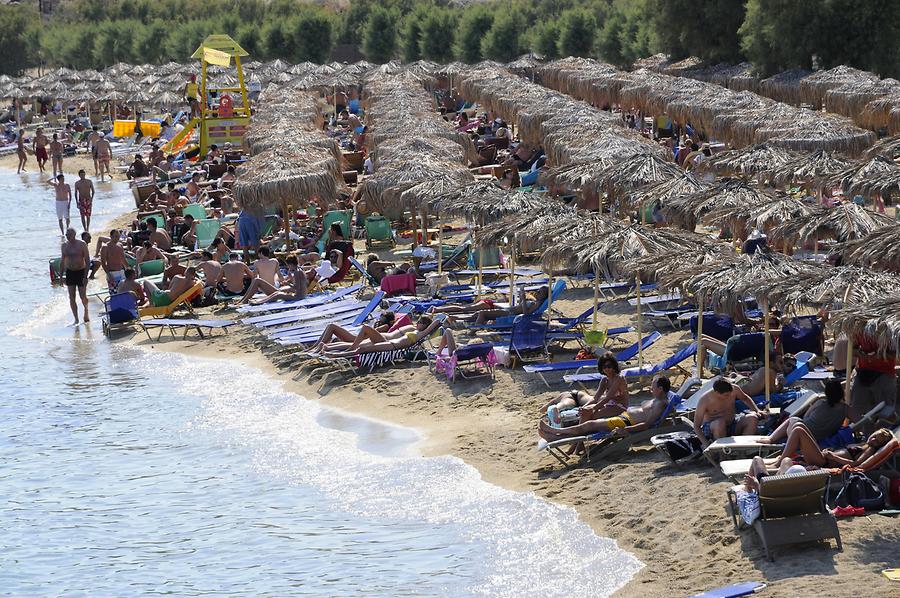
pixel 39 147
pixel 104 155
pixel 715 416
pixel 63 201
pixel 56 155
pixel 76 259
pixel 84 199
pixel 112 258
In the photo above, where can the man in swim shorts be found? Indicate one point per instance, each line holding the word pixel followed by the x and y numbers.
pixel 236 276
pixel 161 297
pixel 112 258
pixel 39 147
pixel 634 419
pixel 715 416
pixel 56 155
pixel 76 259
pixel 84 199
pixel 104 154
pixel 63 201
pixel 92 140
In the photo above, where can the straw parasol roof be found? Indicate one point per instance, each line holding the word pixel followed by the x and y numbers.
pixel 633 172
pixel 877 319
pixel 879 249
pixel 814 86
pixel 484 201
pixel 877 176
pixel 889 147
pixel 542 225
pixel 845 221
pixel 686 210
pixel 286 175
pixel 762 158
pixel 666 190
pixel 785 86
pixel 809 168
pixel 825 286
pixel 767 210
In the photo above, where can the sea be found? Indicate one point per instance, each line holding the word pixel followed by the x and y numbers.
pixel 125 472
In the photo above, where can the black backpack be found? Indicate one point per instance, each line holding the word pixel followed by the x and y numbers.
pixel 859 491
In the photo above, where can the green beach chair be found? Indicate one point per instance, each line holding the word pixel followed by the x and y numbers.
pixel 195 210
pixel 378 230
pixel 341 216
pixel 151 268
pixel 490 256
pixel 206 231
pixel 160 221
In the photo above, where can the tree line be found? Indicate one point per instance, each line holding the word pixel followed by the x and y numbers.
pixel 774 35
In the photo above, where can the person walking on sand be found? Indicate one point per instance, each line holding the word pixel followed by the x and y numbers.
pixel 56 155
pixel 76 259
pixel 20 151
pixel 104 153
pixel 84 199
pixel 39 147
pixel 63 201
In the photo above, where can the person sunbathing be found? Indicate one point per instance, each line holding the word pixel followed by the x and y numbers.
pixel 374 341
pixel 822 420
pixel 779 366
pixel 634 419
pixel 296 289
pixel 161 297
pixel 130 285
pixel 487 310
pixel 337 336
pixel 610 399
pixel 715 416
pixel 801 447
pixel 236 276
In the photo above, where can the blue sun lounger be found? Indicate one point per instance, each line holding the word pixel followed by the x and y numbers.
pixel 666 364
pixel 506 322
pixel 172 323
pixel 311 332
pixel 362 270
pixel 291 315
pixel 360 311
pixel 312 335
pixel 310 301
pixel 563 366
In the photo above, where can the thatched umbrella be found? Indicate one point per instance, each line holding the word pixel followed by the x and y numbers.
pixel 785 86
pixel 844 221
pixel 878 249
pixel 814 86
pixel 826 286
pixel 648 197
pixel 877 176
pixel 725 284
pixel 761 159
pixel 889 147
pixel 882 113
pixel 851 98
pixel 633 172
pixel 686 210
pixel 811 168
pixel 878 319
pixel 762 213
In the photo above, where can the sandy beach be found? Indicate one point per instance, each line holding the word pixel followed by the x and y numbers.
pixel 673 518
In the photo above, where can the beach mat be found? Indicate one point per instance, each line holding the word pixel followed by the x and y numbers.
pixel 733 591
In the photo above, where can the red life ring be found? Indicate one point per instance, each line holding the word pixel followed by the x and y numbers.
pixel 226 106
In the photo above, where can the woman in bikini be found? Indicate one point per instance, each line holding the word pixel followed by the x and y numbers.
pixel 611 398
pixel 20 151
pixel 372 341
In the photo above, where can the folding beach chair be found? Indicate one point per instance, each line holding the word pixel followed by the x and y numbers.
pixel 194 209
pixel 207 230
pixel 717 326
pixel 309 301
pixel 378 230
pixel 469 361
pixel 803 333
pixel 528 341
pixel 666 364
pixel 792 510
pixel 297 334
pixel 188 324
pixel 741 350
pixel 299 316
pixel 606 446
pixel 506 322
pixel 354 263
pixel 160 220
pixel 120 310
pixel 313 332
pixel 343 217
pixel 165 311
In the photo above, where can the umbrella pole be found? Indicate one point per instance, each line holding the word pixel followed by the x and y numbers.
pixel 440 251
pixel 596 297
pixel 18 114
pixel 637 281
pixel 700 336
pixel 849 369
pixel 766 354
pixel 415 224
pixel 512 274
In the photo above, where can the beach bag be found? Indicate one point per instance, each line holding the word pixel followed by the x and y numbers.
pixel 677 445
pixel 859 491
pixel 748 505
pixel 206 298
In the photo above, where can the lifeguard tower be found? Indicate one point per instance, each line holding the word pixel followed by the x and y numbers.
pixel 225 120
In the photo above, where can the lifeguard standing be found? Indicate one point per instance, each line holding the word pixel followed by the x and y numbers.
pixel 192 96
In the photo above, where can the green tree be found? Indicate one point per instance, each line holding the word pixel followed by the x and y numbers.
pixel 411 37
pixel 312 34
pixel 436 38
pixel 704 28
pixel 502 41
pixel 275 40
pixel 18 30
pixel 576 33
pixel 110 45
pixel 249 39
pixel 354 21
pixel 379 36
pixel 473 25
pixel 544 39
pixel 627 34
pixel 149 42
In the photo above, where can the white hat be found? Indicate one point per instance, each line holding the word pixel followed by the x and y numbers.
pixel 102 134
pixel 325 270
pixel 756 234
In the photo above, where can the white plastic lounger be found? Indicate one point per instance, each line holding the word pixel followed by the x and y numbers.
pixel 298 321
pixel 310 301
pixel 738 447
pixel 655 299
pixel 296 315
pixel 198 325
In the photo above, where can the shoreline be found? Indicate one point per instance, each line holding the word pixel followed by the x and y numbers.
pixel 657 512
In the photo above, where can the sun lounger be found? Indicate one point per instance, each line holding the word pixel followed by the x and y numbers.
pixel 606 446
pixel 362 270
pixel 579 364
pixel 668 318
pixel 151 268
pixel 167 310
pixel 469 361
pixel 195 210
pixel 792 510
pixel 498 272
pixel 313 333
pixel 739 447
pixel 528 340
pixel 451 259
pixel 310 301
pixel 656 299
pixel 207 230
pixel 305 315
pixel 735 590
pixel 285 316
pixel 171 324
pixel 506 322
pixel 667 364
pixel 299 334
pixel 344 217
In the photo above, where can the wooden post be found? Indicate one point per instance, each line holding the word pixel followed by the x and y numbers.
pixel 415 224
pixel 596 296
pixel 849 366
pixel 700 336
pixel 440 251
pixel 637 281
pixel 512 274
pixel 766 354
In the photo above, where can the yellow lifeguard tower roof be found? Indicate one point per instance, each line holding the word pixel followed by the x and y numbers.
pixel 219 43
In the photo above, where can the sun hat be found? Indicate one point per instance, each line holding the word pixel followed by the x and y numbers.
pixel 325 270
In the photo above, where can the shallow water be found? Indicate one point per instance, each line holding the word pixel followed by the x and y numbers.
pixel 126 472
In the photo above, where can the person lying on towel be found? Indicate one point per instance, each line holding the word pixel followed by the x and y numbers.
pixel 633 419
pixel 372 341
pixel 487 310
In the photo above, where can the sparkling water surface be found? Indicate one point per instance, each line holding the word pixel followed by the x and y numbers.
pixel 125 472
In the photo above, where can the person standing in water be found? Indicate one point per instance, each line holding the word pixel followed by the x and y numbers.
pixel 84 199
pixel 56 155
pixel 104 153
pixel 63 201
pixel 39 147
pixel 20 151
pixel 76 259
